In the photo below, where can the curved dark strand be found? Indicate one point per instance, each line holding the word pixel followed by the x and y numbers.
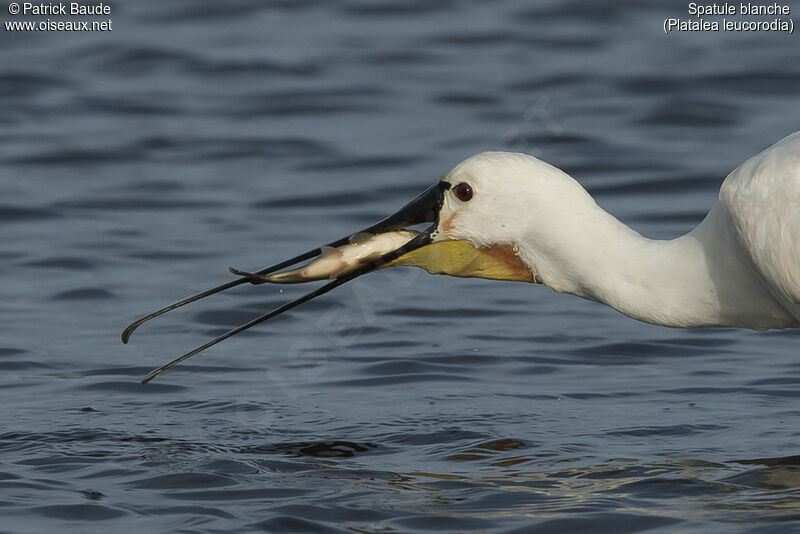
pixel 422 209
pixel 126 334
pixel 253 278
pixel 250 324
pixel 257 278
pixel 420 240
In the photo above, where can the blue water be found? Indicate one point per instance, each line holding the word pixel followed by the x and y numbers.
pixel 137 165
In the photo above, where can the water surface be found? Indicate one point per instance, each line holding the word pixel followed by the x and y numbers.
pixel 136 165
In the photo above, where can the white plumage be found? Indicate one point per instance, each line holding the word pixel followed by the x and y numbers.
pixel 762 197
pixel 740 267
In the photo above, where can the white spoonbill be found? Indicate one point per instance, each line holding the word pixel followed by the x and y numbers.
pixel 510 216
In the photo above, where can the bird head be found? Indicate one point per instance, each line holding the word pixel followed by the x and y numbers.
pixel 497 217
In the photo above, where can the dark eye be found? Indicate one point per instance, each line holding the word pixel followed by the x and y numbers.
pixel 463 192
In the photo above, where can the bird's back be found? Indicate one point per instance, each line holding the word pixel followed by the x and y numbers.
pixel 762 199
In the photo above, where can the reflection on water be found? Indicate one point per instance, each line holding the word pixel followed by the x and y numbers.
pixel 136 165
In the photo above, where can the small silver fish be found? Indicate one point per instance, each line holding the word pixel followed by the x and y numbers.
pixel 334 262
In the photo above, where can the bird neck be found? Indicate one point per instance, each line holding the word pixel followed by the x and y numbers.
pixel 699 279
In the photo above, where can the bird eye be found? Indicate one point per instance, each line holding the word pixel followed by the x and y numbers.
pixel 463 192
